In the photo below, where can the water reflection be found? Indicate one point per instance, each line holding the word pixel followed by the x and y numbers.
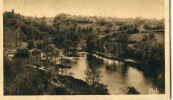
pixel 118 76
pixel 94 61
pixel 124 69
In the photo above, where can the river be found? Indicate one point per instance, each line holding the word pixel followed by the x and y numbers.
pixel 115 74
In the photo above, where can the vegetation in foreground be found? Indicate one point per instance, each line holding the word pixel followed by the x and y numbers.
pixel 21 79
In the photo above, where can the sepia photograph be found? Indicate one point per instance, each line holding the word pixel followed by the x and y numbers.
pixel 85 47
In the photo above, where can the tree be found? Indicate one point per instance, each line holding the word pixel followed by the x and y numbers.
pixel 64 24
pixel 72 36
pixel 31 44
pixel 100 45
pixel 12 11
pixel 122 40
pixel 58 41
pixel 22 53
pixel 67 44
pixel 135 30
pixel 145 38
pixel 39 45
pixel 93 75
pixel 42 25
pixel 23 80
pixel 151 36
pixel 113 48
pixel 46 79
pixel 92 72
pixel 132 90
pixel 72 39
pixel 108 46
pixel 90 45
pixel 150 53
pixel 50 48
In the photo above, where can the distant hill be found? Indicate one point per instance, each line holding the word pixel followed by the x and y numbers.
pixel 18 28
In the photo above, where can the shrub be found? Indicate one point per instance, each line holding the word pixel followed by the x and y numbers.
pixel 132 90
pixel 31 44
pixel 22 53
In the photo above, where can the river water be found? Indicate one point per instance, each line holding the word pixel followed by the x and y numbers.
pixel 115 74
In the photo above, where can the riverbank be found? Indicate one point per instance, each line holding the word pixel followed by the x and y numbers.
pixel 68 85
pixel 138 68
pixel 128 61
pixel 72 86
pixel 113 58
pixel 149 70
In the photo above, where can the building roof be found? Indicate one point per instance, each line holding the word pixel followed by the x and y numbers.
pixel 35 50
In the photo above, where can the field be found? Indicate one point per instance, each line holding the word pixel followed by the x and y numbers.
pixel 49 21
pixel 85 25
pixel 139 36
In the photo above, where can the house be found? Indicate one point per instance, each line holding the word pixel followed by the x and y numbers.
pixel 10 53
pixel 43 56
pixel 36 53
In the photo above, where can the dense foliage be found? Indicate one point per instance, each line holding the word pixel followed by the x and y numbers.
pixel 107 37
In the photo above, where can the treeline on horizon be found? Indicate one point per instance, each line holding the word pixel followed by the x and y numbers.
pixel 104 36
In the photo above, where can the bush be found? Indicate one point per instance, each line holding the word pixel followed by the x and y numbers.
pixel 132 30
pixel 31 44
pixel 58 41
pixel 20 79
pixel 132 90
pixel 114 34
pixel 101 89
pixel 22 53
pixel 39 45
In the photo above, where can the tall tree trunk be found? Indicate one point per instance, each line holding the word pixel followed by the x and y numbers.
pixel 119 48
pixel 46 85
pixel 93 81
pixel 68 50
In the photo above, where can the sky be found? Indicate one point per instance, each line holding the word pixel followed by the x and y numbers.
pixel 105 8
